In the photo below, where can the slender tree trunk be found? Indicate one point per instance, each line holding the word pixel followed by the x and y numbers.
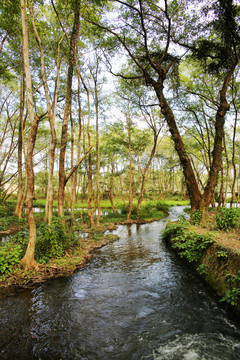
pixel 28 259
pixel 130 189
pixel 51 116
pixel 97 195
pixel 233 157
pixel 111 188
pixel 18 211
pixel 73 187
pixel 142 191
pixel 90 211
pixel 75 176
pixel 89 165
pixel 67 109
pixel 220 199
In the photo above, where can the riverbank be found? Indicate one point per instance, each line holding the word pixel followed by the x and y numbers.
pixel 73 243
pixel 213 253
pixel 74 259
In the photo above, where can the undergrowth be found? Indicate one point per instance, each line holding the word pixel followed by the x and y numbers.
pixel 189 245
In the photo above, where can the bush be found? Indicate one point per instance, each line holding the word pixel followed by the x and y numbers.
pixel 160 206
pixel 227 219
pixel 196 217
pixel 52 241
pixel 10 255
pixel 189 245
pixel 124 209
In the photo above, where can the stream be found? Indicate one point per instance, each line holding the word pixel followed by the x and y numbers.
pixel 135 300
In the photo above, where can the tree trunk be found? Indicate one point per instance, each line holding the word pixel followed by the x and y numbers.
pixel 67 109
pixel 97 195
pixel 142 191
pixel 28 259
pixel 111 188
pixel 219 135
pixel 73 187
pixel 233 157
pixel 130 189
pixel 18 211
pixel 192 186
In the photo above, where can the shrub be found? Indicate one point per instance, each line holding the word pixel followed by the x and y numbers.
pixel 227 219
pixel 10 255
pixel 160 206
pixel 232 296
pixel 196 217
pixel 52 241
pixel 124 208
pixel 189 245
pixel 202 269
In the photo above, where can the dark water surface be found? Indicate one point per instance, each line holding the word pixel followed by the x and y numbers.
pixel 134 301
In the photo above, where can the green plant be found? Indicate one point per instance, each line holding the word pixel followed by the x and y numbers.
pixel 202 269
pixel 175 231
pixel 232 296
pixel 124 208
pixel 10 255
pixel 231 278
pixel 227 219
pixel 97 235
pixel 4 223
pixel 189 245
pixel 160 206
pixel 222 254
pixel 196 217
pixel 52 241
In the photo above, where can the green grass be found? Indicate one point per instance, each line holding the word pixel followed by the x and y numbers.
pixel 104 203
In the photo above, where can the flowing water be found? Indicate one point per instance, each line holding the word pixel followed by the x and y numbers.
pixel 135 300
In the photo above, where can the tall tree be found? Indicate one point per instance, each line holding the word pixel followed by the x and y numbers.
pixel 28 259
pixel 148 32
pixel 67 108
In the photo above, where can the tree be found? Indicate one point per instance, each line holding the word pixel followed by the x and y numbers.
pixel 67 108
pixel 28 259
pixel 147 33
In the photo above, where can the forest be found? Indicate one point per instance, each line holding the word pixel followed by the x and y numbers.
pixel 117 104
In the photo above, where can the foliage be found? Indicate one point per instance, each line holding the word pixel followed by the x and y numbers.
pixel 227 219
pixel 189 245
pixel 52 241
pixel 124 209
pixel 202 269
pixel 161 206
pixel 232 296
pixel 10 255
pixel 196 217
pixel 97 235
pixel 222 254
pixel 6 221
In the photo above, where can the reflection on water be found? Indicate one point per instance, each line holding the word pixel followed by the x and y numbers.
pixel 134 301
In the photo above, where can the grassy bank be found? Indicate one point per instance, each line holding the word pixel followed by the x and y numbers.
pixel 212 247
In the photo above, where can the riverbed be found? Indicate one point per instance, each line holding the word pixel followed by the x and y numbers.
pixel 135 300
